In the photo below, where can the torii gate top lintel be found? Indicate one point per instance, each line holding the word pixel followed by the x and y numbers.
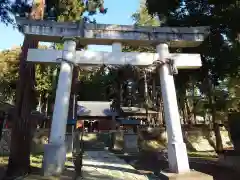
pixel 107 34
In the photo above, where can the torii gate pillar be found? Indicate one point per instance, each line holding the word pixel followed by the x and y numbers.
pixel 177 153
pixel 55 151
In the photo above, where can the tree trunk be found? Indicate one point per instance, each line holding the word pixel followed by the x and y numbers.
pixel 160 109
pixel 219 145
pixel 184 114
pixel 194 103
pixel 119 101
pixel 72 106
pixel 190 117
pixel 154 90
pixel 182 105
pixel 146 96
pixel 162 113
pixel 216 128
pixel 46 105
pixel 19 160
pixel 39 107
pixel 23 127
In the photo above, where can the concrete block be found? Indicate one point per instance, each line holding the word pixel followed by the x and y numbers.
pixel 192 175
pixel 130 143
pixel 177 157
pixel 54 159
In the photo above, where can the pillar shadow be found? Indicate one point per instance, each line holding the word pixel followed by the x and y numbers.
pixel 2 171
pixel 92 176
pixel 122 169
pixel 148 162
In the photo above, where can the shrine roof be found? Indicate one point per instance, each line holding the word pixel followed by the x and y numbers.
pixel 9 108
pixel 94 109
pixel 137 110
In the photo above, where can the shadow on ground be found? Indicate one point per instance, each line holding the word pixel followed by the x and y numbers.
pixel 133 171
pixel 92 176
pixel 96 141
pixel 35 174
pixel 148 163
pixel 2 171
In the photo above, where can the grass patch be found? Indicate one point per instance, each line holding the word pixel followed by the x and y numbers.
pixel 3 160
pixel 35 160
pixel 151 145
pixel 156 146
pixel 205 155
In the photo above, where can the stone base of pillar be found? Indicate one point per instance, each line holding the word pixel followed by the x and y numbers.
pixel 54 159
pixel 192 175
pixel 177 158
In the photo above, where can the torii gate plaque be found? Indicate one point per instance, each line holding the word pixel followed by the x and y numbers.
pixel 114 35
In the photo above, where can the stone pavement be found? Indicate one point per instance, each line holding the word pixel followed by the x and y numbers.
pixel 98 165
pixel 104 165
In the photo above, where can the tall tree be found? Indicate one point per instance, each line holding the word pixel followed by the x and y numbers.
pixel 5 8
pixel 9 66
pixel 19 160
pixel 143 18
pixel 219 56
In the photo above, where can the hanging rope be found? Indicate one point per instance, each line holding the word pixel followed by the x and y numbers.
pixel 170 62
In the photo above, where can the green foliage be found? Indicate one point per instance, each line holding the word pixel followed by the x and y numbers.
pixel 221 15
pixel 93 5
pixel 60 10
pixel 58 46
pixel 104 83
pixel 162 8
pixel 9 73
pixel 43 79
pixel 220 54
pixel 220 51
pixel 9 64
pixel 143 18
pixel 5 7
pixel 70 10
pixel 92 85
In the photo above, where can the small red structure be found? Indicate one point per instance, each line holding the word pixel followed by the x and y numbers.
pixel 96 115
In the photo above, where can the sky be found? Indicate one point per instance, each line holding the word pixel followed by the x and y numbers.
pixel 119 12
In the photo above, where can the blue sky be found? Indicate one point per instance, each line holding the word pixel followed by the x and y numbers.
pixel 119 12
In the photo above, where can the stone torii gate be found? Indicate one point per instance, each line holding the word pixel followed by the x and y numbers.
pixel 115 35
